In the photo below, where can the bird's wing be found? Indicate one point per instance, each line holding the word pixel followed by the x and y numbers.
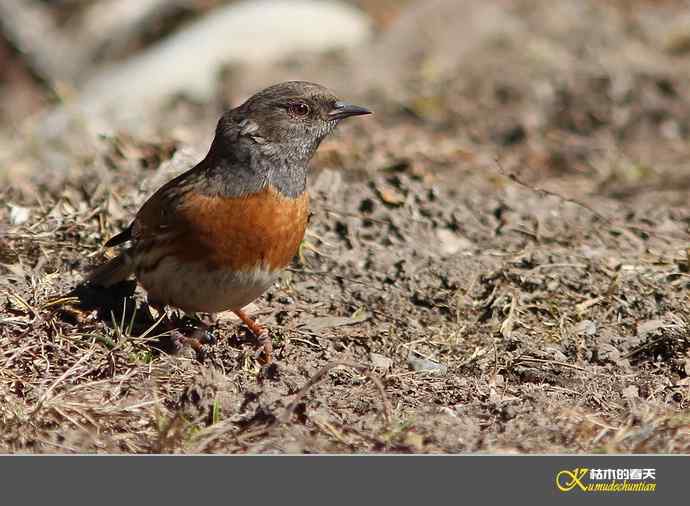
pixel 160 217
pixel 151 220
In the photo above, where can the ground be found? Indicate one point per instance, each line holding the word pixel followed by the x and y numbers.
pixel 497 261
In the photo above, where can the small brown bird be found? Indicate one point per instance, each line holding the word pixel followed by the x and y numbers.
pixel 217 236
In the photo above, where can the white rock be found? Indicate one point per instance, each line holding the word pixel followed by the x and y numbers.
pixel 421 364
pixel 380 361
pixel 450 243
pixel 19 215
pixel 251 31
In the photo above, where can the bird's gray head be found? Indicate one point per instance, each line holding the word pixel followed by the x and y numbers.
pixel 292 118
pixel 270 138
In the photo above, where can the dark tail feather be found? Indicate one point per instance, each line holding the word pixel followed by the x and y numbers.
pixel 123 236
pixel 113 271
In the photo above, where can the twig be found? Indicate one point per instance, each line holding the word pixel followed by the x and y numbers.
pixel 646 345
pixel 544 192
pixel 552 362
pixel 325 273
pixel 627 228
pixel 318 377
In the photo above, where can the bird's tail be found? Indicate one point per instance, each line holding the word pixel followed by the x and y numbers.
pixel 113 271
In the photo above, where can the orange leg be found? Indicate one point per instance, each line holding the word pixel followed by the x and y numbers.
pixel 260 332
pixel 176 333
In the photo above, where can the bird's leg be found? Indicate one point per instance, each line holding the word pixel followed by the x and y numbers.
pixel 177 337
pixel 261 334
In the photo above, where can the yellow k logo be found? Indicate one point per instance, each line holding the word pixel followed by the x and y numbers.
pixel 567 480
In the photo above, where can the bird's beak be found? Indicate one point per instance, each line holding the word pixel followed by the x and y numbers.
pixel 344 110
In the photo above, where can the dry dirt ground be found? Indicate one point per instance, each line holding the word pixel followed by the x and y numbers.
pixel 497 260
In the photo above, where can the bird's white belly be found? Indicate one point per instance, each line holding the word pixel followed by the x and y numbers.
pixel 194 288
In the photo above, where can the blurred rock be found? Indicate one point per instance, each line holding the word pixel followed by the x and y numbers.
pixel 129 96
pixel 188 62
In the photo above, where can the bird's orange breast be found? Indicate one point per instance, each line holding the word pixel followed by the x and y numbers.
pixel 257 231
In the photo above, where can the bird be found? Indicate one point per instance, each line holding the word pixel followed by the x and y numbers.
pixel 216 237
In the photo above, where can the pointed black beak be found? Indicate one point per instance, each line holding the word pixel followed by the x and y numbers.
pixel 344 110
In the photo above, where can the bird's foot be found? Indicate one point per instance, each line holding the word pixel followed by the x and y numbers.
pixel 185 331
pixel 198 329
pixel 262 336
pixel 266 348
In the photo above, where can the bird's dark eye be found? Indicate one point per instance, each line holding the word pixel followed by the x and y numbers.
pixel 299 109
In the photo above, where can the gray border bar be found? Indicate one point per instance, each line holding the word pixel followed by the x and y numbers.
pixel 376 479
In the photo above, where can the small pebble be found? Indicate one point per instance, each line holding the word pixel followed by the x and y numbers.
pixel 421 364
pixel 380 362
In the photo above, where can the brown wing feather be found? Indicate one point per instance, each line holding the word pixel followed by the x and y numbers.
pixel 159 216
pixel 158 212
